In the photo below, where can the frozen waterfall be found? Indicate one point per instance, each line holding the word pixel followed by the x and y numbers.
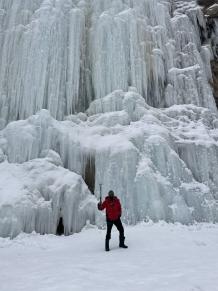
pixel 161 162
pixel 61 55
pixel 105 92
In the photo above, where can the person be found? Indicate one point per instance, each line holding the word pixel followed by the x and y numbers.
pixel 113 215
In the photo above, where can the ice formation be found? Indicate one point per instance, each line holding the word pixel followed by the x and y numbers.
pixel 161 162
pixel 35 194
pixel 105 92
pixel 60 55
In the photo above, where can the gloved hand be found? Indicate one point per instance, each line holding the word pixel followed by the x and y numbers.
pixel 99 205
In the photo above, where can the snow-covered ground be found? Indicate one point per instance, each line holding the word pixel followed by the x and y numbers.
pixel 160 257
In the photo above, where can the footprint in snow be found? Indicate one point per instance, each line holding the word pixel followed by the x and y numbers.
pixel 200 243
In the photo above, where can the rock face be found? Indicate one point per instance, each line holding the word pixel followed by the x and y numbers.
pixel 206 3
pixel 214 68
pixel 210 10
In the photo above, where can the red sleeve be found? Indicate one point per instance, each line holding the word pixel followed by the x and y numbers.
pixel 102 206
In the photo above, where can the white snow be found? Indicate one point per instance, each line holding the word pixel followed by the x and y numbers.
pixel 160 257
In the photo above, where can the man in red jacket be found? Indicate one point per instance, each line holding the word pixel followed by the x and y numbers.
pixel 113 214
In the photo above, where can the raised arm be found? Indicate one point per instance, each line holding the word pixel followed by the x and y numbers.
pixel 101 206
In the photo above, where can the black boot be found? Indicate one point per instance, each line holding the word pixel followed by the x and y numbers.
pixel 122 245
pixel 107 245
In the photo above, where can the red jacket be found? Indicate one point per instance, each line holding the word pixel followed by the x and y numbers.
pixel 113 208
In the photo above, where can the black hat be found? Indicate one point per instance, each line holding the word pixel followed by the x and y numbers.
pixel 111 193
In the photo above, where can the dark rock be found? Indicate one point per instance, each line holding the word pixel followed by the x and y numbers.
pixel 212 11
pixel 214 69
pixel 206 3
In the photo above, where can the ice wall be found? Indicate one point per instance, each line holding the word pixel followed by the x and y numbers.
pixel 160 162
pixel 105 92
pixel 61 55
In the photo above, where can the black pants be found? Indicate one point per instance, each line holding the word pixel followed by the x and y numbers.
pixel 118 225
